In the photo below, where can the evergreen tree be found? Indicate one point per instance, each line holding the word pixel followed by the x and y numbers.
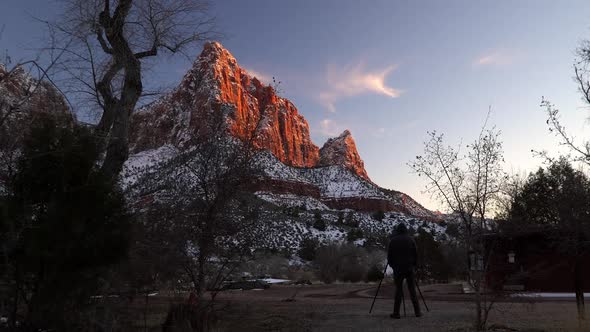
pixel 65 223
pixel 557 200
pixel 432 263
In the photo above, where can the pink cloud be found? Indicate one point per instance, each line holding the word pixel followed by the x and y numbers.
pixel 497 58
pixel 348 81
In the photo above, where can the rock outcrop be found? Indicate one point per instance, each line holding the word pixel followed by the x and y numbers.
pixel 21 94
pixel 217 85
pixel 342 151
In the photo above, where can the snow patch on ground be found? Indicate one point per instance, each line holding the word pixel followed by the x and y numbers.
pixel 548 295
pixel 291 200
pixel 141 163
pixel 275 281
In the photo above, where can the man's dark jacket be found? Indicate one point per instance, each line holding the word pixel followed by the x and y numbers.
pixel 402 254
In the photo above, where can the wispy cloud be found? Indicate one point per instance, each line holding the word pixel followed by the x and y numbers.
pixel 496 58
pixel 354 80
pixel 380 132
pixel 262 77
pixel 330 128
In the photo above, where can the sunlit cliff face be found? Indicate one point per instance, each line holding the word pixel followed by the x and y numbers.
pixel 216 83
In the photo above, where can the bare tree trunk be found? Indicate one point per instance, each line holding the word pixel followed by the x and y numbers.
pixel 202 306
pixel 118 144
pixel 118 111
pixel 479 324
pixel 145 307
pixel 579 287
pixel 201 277
pixel 14 311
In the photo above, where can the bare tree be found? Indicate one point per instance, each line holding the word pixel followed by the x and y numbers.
pixel 198 199
pixel 509 191
pixel 467 185
pixel 108 44
pixel 579 147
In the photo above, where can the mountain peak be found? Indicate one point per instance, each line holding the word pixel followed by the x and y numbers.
pixel 214 45
pixel 342 150
pixel 217 50
pixel 216 83
pixel 345 133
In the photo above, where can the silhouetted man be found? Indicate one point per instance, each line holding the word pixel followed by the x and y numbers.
pixel 401 256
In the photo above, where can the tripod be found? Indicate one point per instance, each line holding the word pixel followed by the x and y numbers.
pixel 378 287
pixel 403 298
pixel 422 296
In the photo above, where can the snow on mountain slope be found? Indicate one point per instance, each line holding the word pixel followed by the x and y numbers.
pixel 339 182
pixel 290 218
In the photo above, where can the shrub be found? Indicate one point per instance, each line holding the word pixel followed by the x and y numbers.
pixel 293 211
pixel 379 215
pixel 319 222
pixel 376 240
pixel 354 234
pixel 308 249
pixel 453 230
pixel 351 220
pixel 344 262
pixel 432 262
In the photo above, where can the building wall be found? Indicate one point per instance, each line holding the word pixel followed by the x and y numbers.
pixel 537 266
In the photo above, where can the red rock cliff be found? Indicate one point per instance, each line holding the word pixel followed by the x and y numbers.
pixel 216 83
pixel 342 151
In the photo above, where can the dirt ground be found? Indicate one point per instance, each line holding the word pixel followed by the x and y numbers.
pixel 345 307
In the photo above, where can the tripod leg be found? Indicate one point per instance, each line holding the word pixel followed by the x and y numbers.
pixel 422 296
pixel 378 287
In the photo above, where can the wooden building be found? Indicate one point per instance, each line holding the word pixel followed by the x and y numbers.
pixel 530 261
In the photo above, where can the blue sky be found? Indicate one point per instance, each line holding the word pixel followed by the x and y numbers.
pixel 391 70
